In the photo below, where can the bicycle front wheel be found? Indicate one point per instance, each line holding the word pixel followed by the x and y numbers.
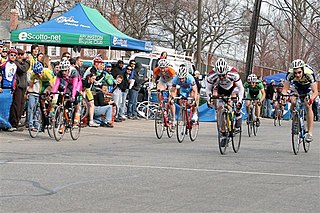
pixel 223 137
pixel 170 127
pixel 236 139
pixel 250 124
pixel 193 132
pixel 75 127
pixel 181 125
pixel 36 125
pixel 306 145
pixel 295 133
pixel 276 117
pixel 158 123
pixel 59 124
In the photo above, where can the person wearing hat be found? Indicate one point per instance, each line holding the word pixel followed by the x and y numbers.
pixel 4 54
pixel 9 69
pixel 108 78
pixel 17 106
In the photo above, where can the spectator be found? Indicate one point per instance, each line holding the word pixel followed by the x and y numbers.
pixel 65 56
pixel 124 86
pixel 9 69
pixel 163 55
pixel 4 54
pixel 118 69
pixel 108 78
pixel 315 106
pixel 196 78
pixel 269 96
pixel 79 66
pixel 1 90
pixel 117 94
pixel 17 106
pixel 103 107
pixel 32 59
pixel 97 66
pixel 139 77
pixel 40 57
pixel 56 68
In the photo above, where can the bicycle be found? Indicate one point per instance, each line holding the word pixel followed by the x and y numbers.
pixel 226 125
pixel 40 118
pixel 298 130
pixel 163 116
pixel 252 120
pixel 64 119
pixel 184 123
pixel 278 114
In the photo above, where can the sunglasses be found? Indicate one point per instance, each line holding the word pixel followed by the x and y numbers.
pixel 222 76
pixel 297 72
pixel 13 55
pixel 129 69
pixel 20 54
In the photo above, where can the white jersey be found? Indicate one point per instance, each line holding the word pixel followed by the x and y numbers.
pixel 231 81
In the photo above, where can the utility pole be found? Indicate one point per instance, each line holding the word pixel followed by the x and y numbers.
pixel 199 35
pixel 252 37
pixel 292 31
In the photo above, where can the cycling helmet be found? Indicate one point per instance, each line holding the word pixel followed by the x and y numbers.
pixel 298 63
pixel 64 65
pixel 12 50
pixel 221 67
pixel 97 59
pixel 162 63
pixel 252 78
pixel 182 73
pixel 5 49
pixel 37 68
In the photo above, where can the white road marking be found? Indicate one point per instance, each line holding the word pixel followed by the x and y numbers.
pixel 165 167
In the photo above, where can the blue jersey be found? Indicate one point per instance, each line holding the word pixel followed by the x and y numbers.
pixel 186 86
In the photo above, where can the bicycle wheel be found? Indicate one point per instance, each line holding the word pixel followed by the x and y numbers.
pixel 181 125
pixel 223 137
pixel 249 124
pixel 276 117
pixel 84 109
pixel 37 124
pixel 170 127
pixel 193 132
pixel 75 128
pixel 295 133
pixel 236 138
pixel 59 124
pixel 280 117
pixel 158 121
pixel 50 127
pixel 255 127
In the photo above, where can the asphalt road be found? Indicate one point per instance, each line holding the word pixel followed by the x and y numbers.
pixel 126 169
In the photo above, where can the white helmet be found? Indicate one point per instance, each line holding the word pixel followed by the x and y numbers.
pixel 182 73
pixel 221 67
pixel 162 63
pixel 252 78
pixel 64 65
pixel 298 63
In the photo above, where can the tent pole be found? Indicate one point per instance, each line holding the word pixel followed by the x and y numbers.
pixel 109 53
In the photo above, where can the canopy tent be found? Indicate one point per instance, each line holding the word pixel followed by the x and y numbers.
pixel 81 26
pixel 276 77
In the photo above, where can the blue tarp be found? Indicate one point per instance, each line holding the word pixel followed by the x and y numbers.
pixel 276 77
pixel 5 104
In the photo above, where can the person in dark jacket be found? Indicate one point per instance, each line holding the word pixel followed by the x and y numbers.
pixel 139 77
pixel 17 106
pixel 103 107
pixel 124 86
pixel 117 70
pixel 269 96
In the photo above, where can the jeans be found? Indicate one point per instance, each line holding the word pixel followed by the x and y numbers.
pixel 269 108
pixel 132 104
pixel 123 103
pixel 117 94
pixel 33 100
pixel 100 111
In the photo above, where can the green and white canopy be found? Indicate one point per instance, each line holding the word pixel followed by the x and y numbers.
pixel 81 26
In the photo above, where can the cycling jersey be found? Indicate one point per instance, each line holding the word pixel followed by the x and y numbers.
pixel 254 92
pixel 68 84
pixel 45 80
pixel 303 85
pixel 186 86
pixel 225 86
pixel 166 76
pixel 8 70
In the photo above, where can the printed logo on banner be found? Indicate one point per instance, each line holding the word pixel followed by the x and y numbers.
pixel 148 45
pixel 23 36
pixel 120 42
pixel 90 39
pixel 70 21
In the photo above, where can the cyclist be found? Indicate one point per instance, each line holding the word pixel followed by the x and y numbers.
pixel 165 73
pixel 254 90
pixel 67 82
pixel 224 80
pixel 304 82
pixel 277 97
pixel 185 83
